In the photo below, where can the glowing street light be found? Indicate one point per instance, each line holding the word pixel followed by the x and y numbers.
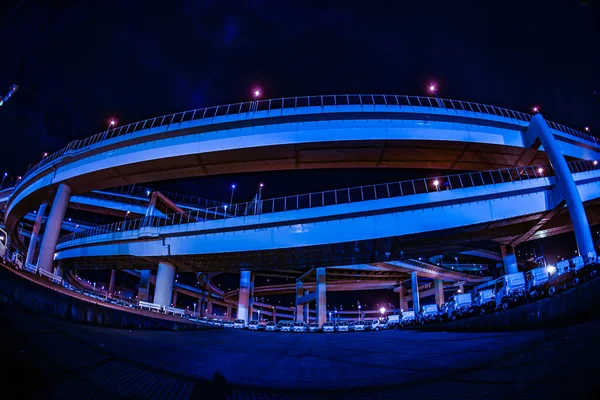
pixel 535 109
pixel 436 183
pixel 587 128
pixel 3 178
pixel 382 310
pixel 595 162
pixel 232 190
pixel 45 155
pixel 256 94
pixel 540 170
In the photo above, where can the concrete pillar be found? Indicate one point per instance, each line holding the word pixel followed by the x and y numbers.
pixel 510 259
pixel 113 279
pixel 299 308
pixel 306 309
pixel 34 235
pixel 403 300
pixel 244 294
pixel 438 288
pixel 228 315
pixel 538 128
pixel 174 298
pixel 165 278
pixel 209 309
pixel 251 298
pixel 321 296
pixel 202 301
pixel 199 310
pixel 274 315
pixel 415 291
pixel 53 225
pixel 144 287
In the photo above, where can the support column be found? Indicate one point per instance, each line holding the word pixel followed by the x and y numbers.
pixel 274 315
pixel 321 296
pixel 438 289
pixel 402 298
pixel 415 291
pixel 299 307
pixel 228 315
pixel 538 128
pixel 202 301
pixel 53 225
pixel 34 235
pixel 199 310
pixel 244 294
pixel 113 279
pixel 144 287
pixel 251 299
pixel 174 299
pixel 165 278
pixel 306 309
pixel 209 308
pixel 510 259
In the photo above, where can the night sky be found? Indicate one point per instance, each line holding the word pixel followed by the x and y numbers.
pixel 78 63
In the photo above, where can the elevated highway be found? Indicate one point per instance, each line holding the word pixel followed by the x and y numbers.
pixel 526 198
pixel 315 132
pixel 349 231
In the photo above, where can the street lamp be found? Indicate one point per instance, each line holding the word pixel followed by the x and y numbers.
pixel 587 128
pixel 194 309
pixel 436 183
pixel 126 214
pixel 255 94
pixel 329 316
pixel 232 190
pixel 535 109
pixel 3 178
pixel 433 89
pixel 382 310
pixel 540 170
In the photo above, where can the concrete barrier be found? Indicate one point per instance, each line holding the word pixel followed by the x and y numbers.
pixel 19 292
pixel 575 305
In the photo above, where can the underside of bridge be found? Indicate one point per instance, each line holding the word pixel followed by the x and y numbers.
pixel 483 236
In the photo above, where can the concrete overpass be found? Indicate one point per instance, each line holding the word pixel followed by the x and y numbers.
pixel 322 132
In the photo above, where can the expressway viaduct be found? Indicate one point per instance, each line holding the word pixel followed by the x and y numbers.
pixel 512 177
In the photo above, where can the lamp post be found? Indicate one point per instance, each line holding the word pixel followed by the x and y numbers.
pixel 433 89
pixel 255 94
pixel 126 214
pixel 194 309
pixel 3 178
pixel 231 199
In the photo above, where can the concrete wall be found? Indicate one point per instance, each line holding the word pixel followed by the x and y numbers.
pixel 21 293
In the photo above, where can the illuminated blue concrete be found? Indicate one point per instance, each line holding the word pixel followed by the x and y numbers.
pixel 244 296
pixel 509 259
pixel 52 229
pixel 318 125
pixel 165 278
pixel 372 219
pixel 34 234
pixel 538 128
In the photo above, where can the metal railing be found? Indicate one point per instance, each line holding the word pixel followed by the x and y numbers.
pixel 337 197
pixel 269 105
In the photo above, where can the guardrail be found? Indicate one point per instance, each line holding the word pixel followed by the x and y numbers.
pixel 338 196
pixel 301 102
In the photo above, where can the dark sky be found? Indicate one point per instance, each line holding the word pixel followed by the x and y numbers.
pixel 79 62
